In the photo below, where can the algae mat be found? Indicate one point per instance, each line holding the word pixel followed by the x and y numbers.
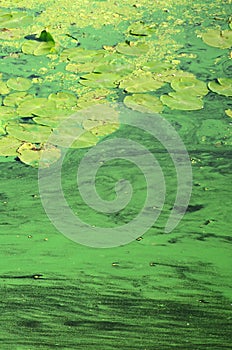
pixel 163 290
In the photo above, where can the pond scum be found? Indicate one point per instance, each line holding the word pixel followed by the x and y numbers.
pixel 58 58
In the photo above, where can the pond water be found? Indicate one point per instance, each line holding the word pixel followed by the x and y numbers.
pixel 162 290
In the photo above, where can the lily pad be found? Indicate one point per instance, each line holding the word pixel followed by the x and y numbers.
pixel 19 84
pixel 182 101
pixel 81 55
pixel 4 89
pixel 104 129
pixel 30 154
pixel 14 99
pixel 7 113
pixel 33 47
pixel 143 82
pixel 81 67
pixel 144 103
pixel 9 146
pixel 29 132
pixel 15 20
pixel 156 66
pixel 41 107
pixel 119 68
pixel 63 99
pixel 229 112
pixel 191 85
pixel 98 80
pixel 132 48
pixel 98 96
pixel 81 139
pixel 2 127
pixel 141 29
pixel 218 38
pixel 222 87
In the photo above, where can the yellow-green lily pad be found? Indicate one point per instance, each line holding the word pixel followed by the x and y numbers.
pixel 98 80
pixel 15 20
pixel 222 87
pixel 19 84
pixel 9 146
pixel 144 103
pixel 156 66
pixel 132 48
pixel 218 38
pixel 143 82
pixel 4 89
pixel 191 85
pixel 81 55
pixel 229 112
pixel 14 99
pixel 7 113
pixel 41 107
pixel 141 29
pixel 104 129
pixel 30 154
pixel 63 99
pixel 29 132
pixel 73 136
pixel 37 48
pixel 182 101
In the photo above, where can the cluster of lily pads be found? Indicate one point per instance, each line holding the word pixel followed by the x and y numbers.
pixel 128 68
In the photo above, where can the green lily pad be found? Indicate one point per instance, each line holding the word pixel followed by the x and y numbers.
pixel 81 55
pixel 63 99
pixel 98 80
pixel 3 127
pixel 119 68
pixel 81 67
pixel 144 103
pixel 34 47
pixel 132 48
pixel 191 85
pixel 98 96
pixel 81 138
pixel 229 112
pixel 141 29
pixel 182 101
pixel 41 107
pixel 218 38
pixel 222 87
pixel 46 37
pixel 143 82
pixel 14 99
pixel 15 20
pixel 29 132
pixel 30 154
pixel 52 121
pixel 7 113
pixel 104 129
pixel 19 84
pixel 9 146
pixel 156 67
pixel 4 89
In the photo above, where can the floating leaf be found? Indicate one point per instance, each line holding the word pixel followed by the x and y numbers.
pixel 41 107
pixel 96 80
pixel 63 99
pixel 141 29
pixel 132 48
pixel 15 20
pixel 222 87
pixel 73 136
pixel 90 98
pixel 4 89
pixel 7 113
pixel 144 103
pixel 19 83
pixel 81 55
pixel 46 36
pixel 2 127
pixel 182 101
pixel 30 154
pixel 191 85
pixel 29 132
pixel 81 67
pixel 14 99
pixel 9 146
pixel 114 67
pixel 156 66
pixel 218 38
pixel 34 47
pixel 104 129
pixel 143 82
pixel 229 112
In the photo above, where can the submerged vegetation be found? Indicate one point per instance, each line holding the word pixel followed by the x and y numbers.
pixel 55 64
